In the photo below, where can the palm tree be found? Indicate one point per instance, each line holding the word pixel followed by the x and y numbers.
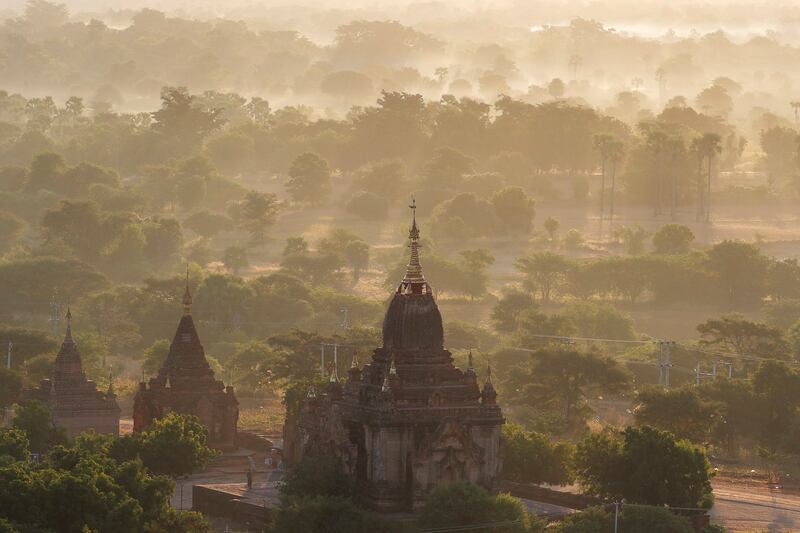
pixel 710 145
pixel 655 141
pixel 616 151
pixel 697 149
pixel 675 149
pixel 602 143
pixel 796 106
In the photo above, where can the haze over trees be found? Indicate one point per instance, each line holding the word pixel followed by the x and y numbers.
pixel 585 189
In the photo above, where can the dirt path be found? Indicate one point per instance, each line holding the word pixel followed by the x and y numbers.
pixel 743 508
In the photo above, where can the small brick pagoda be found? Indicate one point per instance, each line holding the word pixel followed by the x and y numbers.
pixel 75 403
pixel 409 421
pixel 185 384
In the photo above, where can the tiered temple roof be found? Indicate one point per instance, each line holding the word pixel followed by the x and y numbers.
pixel 185 383
pixel 409 419
pixel 74 400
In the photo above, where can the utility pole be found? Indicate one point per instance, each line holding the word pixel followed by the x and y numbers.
pixel 660 363
pixel 616 517
pixel 335 360
pixel 664 352
pixel 322 359
pixel 730 369
pixel 8 358
pixel 699 375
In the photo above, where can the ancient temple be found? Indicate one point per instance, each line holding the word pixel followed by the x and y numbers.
pixel 74 401
pixel 185 384
pixel 409 420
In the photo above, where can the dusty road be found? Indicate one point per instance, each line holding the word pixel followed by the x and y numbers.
pixel 755 508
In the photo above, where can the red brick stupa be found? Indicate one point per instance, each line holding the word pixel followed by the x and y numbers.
pixel 74 401
pixel 185 384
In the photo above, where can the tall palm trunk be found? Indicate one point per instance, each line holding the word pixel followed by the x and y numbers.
pixel 613 188
pixel 602 189
pixel 674 209
pixel 700 189
pixel 708 199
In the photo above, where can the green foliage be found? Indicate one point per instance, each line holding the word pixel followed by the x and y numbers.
pixel 599 320
pixel 446 168
pixel 208 224
pixel 180 121
pixel 464 504
pixel 673 239
pixel 10 229
pixel 309 179
pixel 328 514
pixel 631 518
pixel 783 279
pixel 508 309
pixel 320 475
pixel 514 209
pixel 644 466
pixel 10 386
pixel 737 334
pixel 14 443
pixel 559 380
pixel 476 265
pixel 35 420
pixel 154 356
pixel 81 487
pixel 257 212
pixel 382 179
pixel 235 259
pixel 174 445
pixel 368 206
pixel 739 272
pixel 545 272
pixel 530 457
pixel 463 217
pixel 680 411
pixel 778 388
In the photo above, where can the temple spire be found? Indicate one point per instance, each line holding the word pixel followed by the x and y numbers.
pixel 414 268
pixel 470 365
pixel 187 297
pixel 68 334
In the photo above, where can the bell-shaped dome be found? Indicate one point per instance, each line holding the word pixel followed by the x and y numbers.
pixel 413 321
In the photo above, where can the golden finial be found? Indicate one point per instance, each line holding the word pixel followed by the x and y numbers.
pixel 414 268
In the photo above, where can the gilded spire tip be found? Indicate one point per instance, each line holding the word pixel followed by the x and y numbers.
pixel 414 268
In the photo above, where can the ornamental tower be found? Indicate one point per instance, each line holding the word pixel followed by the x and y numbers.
pixel 409 420
pixel 185 384
pixel 74 401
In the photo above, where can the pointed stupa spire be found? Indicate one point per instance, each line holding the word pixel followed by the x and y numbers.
pixel 334 377
pixel 392 368
pixel 187 296
pixel 489 373
pixel 414 268
pixel 354 362
pixel 470 364
pixel 68 334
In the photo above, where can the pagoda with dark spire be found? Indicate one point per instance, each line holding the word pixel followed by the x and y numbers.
pixel 409 420
pixel 185 384
pixel 74 401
